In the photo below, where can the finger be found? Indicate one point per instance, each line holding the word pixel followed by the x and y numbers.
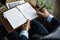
pixel 40 13
pixel 44 10
pixel 28 22
pixel 37 11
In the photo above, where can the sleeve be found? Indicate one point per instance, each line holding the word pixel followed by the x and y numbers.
pixel 23 37
pixel 25 33
pixel 50 17
pixel 53 20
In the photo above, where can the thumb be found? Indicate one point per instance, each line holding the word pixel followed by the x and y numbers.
pixel 28 22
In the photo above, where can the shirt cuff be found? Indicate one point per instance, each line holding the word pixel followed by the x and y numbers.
pixel 25 33
pixel 50 17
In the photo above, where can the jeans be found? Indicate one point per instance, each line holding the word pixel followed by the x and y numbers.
pixel 36 28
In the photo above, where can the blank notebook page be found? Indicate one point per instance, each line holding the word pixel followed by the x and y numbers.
pixel 14 17
pixel 28 11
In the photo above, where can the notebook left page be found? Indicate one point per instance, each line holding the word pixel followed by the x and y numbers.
pixel 14 17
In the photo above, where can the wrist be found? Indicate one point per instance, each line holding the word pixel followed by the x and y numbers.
pixel 26 30
pixel 47 16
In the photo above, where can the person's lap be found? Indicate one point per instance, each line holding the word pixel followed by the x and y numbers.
pixel 36 28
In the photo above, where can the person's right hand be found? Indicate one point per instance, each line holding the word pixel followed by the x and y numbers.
pixel 44 13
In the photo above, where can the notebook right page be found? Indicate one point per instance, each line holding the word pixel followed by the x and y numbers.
pixel 28 11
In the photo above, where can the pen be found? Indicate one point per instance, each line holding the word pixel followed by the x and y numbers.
pixel 40 9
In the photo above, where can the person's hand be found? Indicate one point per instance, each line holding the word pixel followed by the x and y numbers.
pixel 26 26
pixel 44 13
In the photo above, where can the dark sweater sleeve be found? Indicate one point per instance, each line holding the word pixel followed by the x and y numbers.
pixel 55 22
pixel 23 37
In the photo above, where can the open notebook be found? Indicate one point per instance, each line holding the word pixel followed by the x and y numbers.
pixel 19 15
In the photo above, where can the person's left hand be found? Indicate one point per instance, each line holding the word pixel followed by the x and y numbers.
pixel 26 26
